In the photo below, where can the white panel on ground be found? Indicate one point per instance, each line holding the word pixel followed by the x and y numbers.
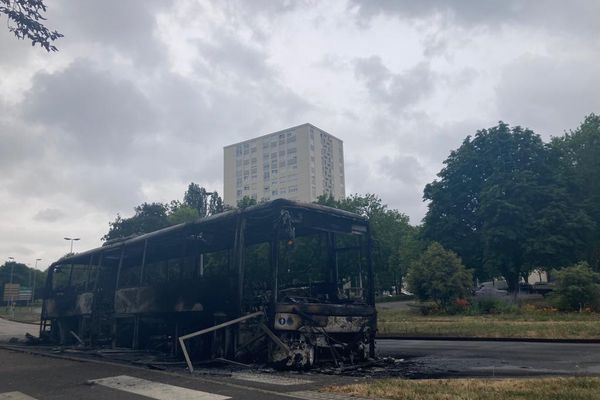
pixel 155 390
pixel 15 396
pixel 270 379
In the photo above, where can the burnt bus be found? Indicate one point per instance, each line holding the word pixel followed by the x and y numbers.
pixel 304 270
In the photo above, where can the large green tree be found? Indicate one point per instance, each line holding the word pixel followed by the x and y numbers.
pixel 579 153
pixel 500 205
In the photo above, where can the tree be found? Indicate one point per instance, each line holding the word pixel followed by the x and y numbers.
pixel 198 198
pixel 148 217
pixel 395 240
pixel 501 206
pixel 22 275
pixel 578 287
pixel 439 275
pixel 579 155
pixel 215 205
pixel 24 18
pixel 246 202
pixel 181 214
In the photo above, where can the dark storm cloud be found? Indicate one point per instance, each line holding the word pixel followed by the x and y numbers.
pixel 92 113
pixel 49 215
pixel 399 90
pixel 544 93
pixel 578 17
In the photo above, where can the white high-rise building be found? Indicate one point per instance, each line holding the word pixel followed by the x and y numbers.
pixel 299 163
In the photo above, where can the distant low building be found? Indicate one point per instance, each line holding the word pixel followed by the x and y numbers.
pixel 298 163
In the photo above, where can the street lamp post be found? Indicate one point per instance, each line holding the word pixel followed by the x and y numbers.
pixel 12 268
pixel 33 285
pixel 72 240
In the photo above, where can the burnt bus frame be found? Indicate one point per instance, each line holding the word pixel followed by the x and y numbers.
pixel 268 222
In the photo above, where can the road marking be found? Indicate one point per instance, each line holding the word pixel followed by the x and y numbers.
pixel 155 390
pixel 270 379
pixel 15 396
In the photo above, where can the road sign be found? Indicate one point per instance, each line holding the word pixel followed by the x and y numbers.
pixel 24 294
pixel 11 291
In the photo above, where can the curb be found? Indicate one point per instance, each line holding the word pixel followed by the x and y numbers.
pixel 484 339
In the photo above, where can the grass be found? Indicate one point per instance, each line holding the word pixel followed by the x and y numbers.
pixel 578 388
pixel 525 324
pixel 22 313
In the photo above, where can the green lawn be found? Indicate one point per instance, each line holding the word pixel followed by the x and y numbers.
pixel 22 314
pixel 580 388
pixel 545 325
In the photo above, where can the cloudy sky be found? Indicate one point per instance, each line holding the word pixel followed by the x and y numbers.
pixel 143 95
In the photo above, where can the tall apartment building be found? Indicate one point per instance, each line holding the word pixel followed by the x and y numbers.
pixel 299 163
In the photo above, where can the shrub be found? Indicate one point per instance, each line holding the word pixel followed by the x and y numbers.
pixel 490 305
pixel 578 287
pixel 439 275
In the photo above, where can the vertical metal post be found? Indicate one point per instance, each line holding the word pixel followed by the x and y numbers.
pixel 143 261
pixel 274 261
pixel 371 294
pixel 114 325
pixel 238 259
pixel 332 263
pixel 89 275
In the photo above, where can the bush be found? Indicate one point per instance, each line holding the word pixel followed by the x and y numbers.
pixel 490 305
pixel 439 275
pixel 578 288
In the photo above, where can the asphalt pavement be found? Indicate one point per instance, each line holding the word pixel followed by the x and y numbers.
pixel 48 373
pixel 10 329
pixel 437 358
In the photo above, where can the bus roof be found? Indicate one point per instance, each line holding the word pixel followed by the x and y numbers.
pixel 258 217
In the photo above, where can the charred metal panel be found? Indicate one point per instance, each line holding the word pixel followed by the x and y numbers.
pixel 69 306
pixel 327 309
pixel 328 324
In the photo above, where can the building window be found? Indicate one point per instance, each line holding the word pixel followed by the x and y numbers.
pixel 239 193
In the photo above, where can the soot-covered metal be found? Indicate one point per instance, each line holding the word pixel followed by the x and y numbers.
pixel 283 282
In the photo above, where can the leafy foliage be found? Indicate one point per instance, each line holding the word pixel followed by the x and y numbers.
pixel 22 275
pixel 246 202
pixel 500 204
pixel 439 275
pixel 578 287
pixel 396 242
pixel 149 217
pixel 579 155
pixel 24 20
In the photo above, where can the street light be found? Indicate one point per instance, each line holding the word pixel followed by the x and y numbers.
pixel 33 288
pixel 12 268
pixel 72 240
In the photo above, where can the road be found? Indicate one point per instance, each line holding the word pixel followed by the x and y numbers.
pixel 10 329
pixel 25 376
pixel 489 358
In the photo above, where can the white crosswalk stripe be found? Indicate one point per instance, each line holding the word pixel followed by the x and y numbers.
pixel 155 390
pixel 15 396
